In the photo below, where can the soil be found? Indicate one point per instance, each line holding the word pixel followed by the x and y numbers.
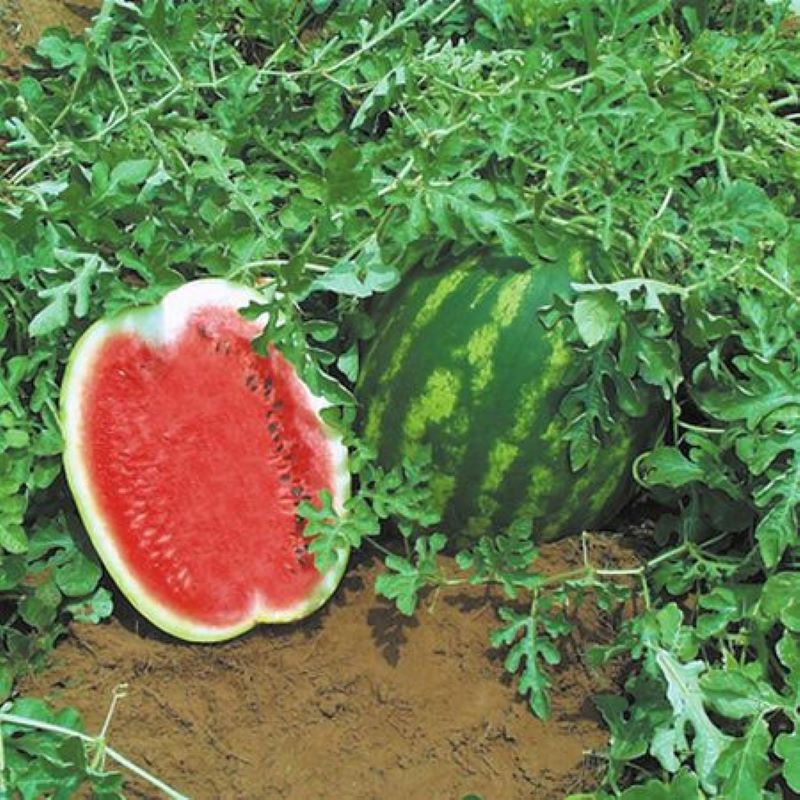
pixel 22 22
pixel 357 702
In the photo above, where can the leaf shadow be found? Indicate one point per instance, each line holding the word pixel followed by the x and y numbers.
pixel 469 602
pixel 389 627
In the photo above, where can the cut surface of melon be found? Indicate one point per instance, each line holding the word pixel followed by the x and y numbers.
pixel 188 454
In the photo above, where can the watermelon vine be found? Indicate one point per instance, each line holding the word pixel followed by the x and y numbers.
pixel 326 150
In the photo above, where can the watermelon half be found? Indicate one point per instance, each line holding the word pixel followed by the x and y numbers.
pixel 188 454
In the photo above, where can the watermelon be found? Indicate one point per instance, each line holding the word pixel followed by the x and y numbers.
pixel 462 365
pixel 188 453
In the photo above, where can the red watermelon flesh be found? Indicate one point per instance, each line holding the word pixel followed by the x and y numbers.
pixel 188 454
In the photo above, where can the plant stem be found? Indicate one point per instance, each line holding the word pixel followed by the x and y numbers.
pixel 775 282
pixel 718 149
pixel 3 787
pixel 378 546
pixel 399 23
pixel 27 722
pixel 98 762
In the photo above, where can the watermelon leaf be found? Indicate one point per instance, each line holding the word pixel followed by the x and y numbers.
pixel 505 559
pixel 745 763
pixel 406 577
pixel 686 698
pixel 787 747
pixel 586 407
pixel 596 316
pixel 528 654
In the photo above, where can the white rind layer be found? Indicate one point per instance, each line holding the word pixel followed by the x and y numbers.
pixel 162 324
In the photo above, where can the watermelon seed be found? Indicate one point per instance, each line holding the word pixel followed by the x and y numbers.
pixel 183 578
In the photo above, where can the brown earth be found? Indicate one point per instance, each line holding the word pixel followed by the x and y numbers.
pixel 22 22
pixel 357 702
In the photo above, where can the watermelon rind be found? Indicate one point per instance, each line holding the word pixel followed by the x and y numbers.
pixel 462 365
pixel 161 323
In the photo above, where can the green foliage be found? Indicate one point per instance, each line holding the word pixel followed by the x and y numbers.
pixel 47 579
pixel 40 764
pixel 46 753
pixel 332 146
pixel 408 576
pixel 401 495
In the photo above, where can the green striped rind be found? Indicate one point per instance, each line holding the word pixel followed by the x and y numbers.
pixel 462 363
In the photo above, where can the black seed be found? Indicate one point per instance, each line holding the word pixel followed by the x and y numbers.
pixel 286 477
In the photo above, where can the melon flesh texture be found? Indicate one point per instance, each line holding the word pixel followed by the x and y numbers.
pixel 188 453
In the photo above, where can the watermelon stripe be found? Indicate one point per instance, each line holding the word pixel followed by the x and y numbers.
pixel 497 404
pixel 480 297
pixel 414 295
pixel 420 312
pixel 461 362
pixel 512 408
pixel 421 308
pixel 511 452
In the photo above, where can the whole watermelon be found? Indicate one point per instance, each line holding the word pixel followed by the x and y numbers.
pixel 462 363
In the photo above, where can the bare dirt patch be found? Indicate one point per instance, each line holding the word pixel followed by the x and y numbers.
pixel 22 23
pixel 357 702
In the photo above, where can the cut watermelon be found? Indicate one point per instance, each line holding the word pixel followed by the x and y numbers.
pixel 188 453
